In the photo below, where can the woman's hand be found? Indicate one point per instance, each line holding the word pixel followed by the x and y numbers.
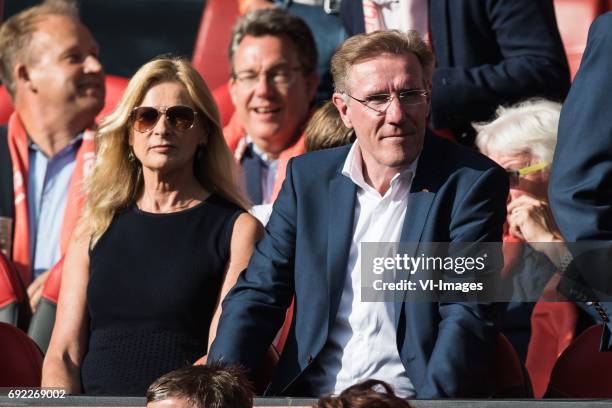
pixel 531 220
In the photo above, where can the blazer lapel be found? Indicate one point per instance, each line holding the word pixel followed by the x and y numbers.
pixel 341 201
pixel 422 192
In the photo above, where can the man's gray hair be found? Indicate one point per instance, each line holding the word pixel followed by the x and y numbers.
pixel 366 46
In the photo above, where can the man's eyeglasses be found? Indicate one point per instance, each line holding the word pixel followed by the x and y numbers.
pixel 144 118
pixel 381 102
pixel 283 77
pixel 515 175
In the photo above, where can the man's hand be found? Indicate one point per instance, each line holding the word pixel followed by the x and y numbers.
pixel 35 290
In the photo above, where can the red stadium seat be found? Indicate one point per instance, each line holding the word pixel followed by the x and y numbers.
pixel 574 18
pixel 20 359
pixel 582 371
pixel 511 378
pixel 553 326
pixel 6 106
pixel 210 56
pixel 14 304
pixel 43 320
pixel 224 103
pixel 115 85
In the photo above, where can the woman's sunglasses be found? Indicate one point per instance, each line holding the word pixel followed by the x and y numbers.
pixel 181 118
pixel 515 175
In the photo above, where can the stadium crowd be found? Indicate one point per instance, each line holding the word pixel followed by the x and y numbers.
pixel 172 238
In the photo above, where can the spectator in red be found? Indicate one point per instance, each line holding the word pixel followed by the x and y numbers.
pixel 273 84
pixel 50 67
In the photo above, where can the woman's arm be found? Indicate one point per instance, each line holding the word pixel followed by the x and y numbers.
pixel 62 365
pixel 247 231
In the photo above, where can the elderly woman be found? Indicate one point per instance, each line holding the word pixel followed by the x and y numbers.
pixel 522 139
pixel 163 238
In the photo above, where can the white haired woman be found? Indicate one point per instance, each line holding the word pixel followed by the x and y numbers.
pixel 522 139
pixel 163 238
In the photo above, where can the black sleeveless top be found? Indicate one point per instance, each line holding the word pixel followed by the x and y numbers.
pixel 153 285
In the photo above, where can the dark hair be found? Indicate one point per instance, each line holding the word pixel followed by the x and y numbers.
pixel 365 395
pixel 205 386
pixel 277 23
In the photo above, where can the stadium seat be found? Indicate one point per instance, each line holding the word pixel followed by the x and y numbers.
pixel 115 85
pixel 511 378
pixel 582 371
pixel 6 106
pixel 14 304
pixel 43 319
pixel 574 18
pixel 224 103
pixel 553 327
pixel 20 359
pixel 210 55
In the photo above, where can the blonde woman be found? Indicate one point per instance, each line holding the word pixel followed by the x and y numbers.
pixel 163 238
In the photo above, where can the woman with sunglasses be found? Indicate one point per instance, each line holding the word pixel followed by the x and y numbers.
pixel 163 238
pixel 522 139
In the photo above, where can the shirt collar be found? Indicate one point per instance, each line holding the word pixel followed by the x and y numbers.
pixel 72 145
pixel 263 155
pixel 353 169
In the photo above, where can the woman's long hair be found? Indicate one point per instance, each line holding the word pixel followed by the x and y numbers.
pixel 116 180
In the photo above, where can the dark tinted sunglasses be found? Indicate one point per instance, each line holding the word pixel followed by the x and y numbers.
pixel 181 118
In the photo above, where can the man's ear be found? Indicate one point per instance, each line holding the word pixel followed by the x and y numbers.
pixel 428 87
pixel 341 104
pixel 232 88
pixel 22 78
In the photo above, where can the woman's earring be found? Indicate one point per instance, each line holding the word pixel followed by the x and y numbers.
pixel 131 156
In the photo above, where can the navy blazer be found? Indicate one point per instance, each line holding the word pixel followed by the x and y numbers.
pixel 489 53
pixel 580 189
pixel 457 195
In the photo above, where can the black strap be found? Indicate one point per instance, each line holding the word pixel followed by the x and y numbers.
pixel 6 176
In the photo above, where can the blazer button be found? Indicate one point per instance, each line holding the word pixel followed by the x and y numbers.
pixel 309 359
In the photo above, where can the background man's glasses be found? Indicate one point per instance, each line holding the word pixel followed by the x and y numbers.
pixel 282 77
pixel 381 102
pixel 515 175
pixel 181 118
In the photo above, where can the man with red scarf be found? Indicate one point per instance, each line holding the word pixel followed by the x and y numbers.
pixel 50 67
pixel 273 84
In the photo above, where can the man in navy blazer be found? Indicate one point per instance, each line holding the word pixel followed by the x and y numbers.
pixel 396 183
pixel 580 187
pixel 489 53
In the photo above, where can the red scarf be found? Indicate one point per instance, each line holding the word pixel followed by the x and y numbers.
pixel 18 147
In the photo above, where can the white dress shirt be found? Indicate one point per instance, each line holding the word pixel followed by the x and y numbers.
pixel 399 15
pixel 362 342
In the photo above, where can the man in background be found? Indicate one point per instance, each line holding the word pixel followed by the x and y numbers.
pixel 50 67
pixel 274 80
